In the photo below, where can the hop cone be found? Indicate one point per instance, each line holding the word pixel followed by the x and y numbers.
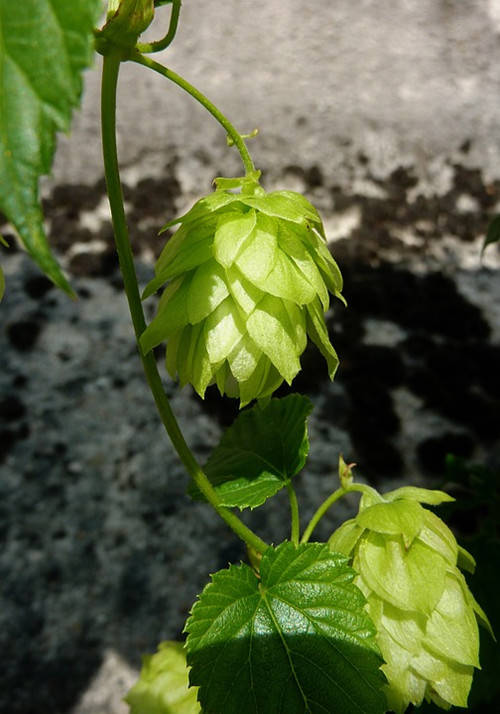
pixel 247 276
pixel 406 559
pixel 163 685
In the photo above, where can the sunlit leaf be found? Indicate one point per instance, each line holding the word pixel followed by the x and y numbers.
pixel 44 47
pixel 295 640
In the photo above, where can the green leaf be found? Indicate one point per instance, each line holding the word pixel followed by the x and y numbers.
pixel 163 685
pixel 44 47
pixel 294 640
pixel 492 234
pixel 260 452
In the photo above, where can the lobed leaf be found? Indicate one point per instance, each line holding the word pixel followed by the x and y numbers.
pixel 294 640
pixel 263 449
pixel 44 47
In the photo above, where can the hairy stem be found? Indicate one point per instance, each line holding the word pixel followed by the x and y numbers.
pixel 216 113
pixel 108 118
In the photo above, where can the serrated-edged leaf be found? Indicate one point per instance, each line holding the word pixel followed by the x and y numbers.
pixel 422 495
pixel 294 641
pixel 208 204
pixel 163 685
pixel 44 47
pixel 263 449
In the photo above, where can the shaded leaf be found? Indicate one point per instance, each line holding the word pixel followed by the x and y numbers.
pixel 44 47
pixel 263 449
pixel 294 640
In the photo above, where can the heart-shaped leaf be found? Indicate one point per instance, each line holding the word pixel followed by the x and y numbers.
pixel 293 640
pixel 259 453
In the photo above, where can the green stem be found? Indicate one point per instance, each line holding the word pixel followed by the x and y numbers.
pixel 294 508
pixel 216 113
pixel 320 512
pixel 172 29
pixel 111 68
pixel 323 508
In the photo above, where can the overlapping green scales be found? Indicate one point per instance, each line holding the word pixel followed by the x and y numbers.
pixel 426 616
pixel 252 272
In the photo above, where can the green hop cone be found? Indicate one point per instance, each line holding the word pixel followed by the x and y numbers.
pixel 163 685
pixel 248 278
pixel 426 617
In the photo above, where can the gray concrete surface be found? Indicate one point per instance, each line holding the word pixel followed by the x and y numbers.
pixel 402 81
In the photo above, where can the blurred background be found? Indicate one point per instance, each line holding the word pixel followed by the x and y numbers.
pixel 386 115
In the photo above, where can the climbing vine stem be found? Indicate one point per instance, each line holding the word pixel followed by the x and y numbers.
pixel 235 136
pixel 111 68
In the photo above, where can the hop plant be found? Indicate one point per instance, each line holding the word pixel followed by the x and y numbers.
pixel 426 617
pixel 248 278
pixel 163 685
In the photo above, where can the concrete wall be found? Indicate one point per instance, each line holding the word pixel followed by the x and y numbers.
pixel 402 81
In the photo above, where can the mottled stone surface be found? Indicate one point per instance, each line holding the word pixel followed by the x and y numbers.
pixel 384 114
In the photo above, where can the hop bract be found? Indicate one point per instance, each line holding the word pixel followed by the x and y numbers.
pixel 407 564
pixel 248 277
